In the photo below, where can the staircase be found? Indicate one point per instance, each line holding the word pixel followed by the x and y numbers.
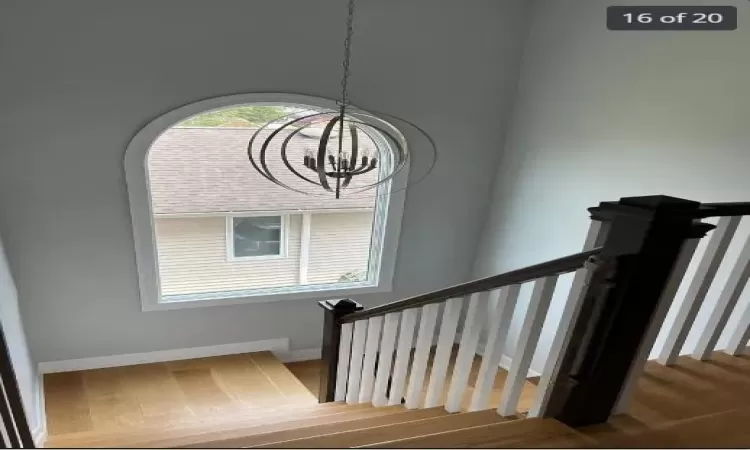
pixel 296 421
pixel 413 374
pixel 689 404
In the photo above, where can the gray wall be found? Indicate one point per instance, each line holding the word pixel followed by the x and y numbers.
pixel 601 115
pixel 25 369
pixel 81 77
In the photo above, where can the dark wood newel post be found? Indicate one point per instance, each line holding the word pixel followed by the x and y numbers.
pixel 642 246
pixel 334 311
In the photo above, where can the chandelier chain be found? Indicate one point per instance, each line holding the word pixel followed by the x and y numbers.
pixel 347 56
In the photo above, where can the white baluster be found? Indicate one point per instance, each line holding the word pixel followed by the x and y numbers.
pixel 678 330
pixel 342 370
pixel 403 354
pixel 421 355
pixel 355 366
pixel 493 352
pixel 385 360
pixel 371 354
pixel 724 305
pixel 594 238
pixel 12 426
pixel 9 428
pixel 443 351
pixel 531 328
pixel 467 350
pixel 657 322
pixel 739 336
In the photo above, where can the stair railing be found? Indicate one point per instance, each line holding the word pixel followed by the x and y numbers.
pixel 357 340
pixel 683 311
pixel 632 249
pixel 730 215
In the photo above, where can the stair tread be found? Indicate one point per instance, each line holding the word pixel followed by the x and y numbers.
pixel 724 429
pixel 314 427
pixel 190 430
pixel 518 433
pixel 402 430
pixel 289 385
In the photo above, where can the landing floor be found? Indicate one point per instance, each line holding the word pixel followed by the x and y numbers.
pixel 172 393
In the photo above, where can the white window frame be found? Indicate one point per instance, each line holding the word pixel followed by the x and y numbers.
pixel 385 234
pixel 284 236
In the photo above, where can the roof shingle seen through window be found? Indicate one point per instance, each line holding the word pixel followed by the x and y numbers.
pixel 206 170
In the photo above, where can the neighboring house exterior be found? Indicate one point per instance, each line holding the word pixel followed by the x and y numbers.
pixel 220 226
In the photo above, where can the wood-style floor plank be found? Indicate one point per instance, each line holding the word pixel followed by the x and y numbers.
pixel 403 430
pixel 202 394
pixel 308 372
pixel 243 381
pixel 529 433
pixel 109 404
pixel 155 389
pixel 66 405
pixel 289 386
pixel 319 426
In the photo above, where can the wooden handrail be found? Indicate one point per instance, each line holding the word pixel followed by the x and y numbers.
pixel 723 209
pixel 545 269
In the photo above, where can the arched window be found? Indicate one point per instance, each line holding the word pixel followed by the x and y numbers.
pixel 210 230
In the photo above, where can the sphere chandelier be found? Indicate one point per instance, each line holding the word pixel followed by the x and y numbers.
pixel 351 145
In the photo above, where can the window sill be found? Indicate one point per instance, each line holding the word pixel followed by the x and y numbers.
pixel 313 292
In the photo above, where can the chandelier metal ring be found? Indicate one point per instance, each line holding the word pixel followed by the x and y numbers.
pixel 336 169
pixel 350 167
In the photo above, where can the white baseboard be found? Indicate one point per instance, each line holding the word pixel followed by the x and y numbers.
pixel 305 354
pixel 99 362
pixel 505 364
pixel 39 433
pixel 505 360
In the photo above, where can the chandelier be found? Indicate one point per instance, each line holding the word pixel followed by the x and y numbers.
pixel 355 151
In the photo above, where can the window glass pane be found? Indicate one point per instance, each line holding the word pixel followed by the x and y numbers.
pixel 256 236
pixel 199 174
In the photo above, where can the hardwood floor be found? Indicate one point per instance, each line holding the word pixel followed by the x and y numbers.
pixel 177 402
pixel 168 394
pixel 245 400
pixel 308 372
pixel 691 404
